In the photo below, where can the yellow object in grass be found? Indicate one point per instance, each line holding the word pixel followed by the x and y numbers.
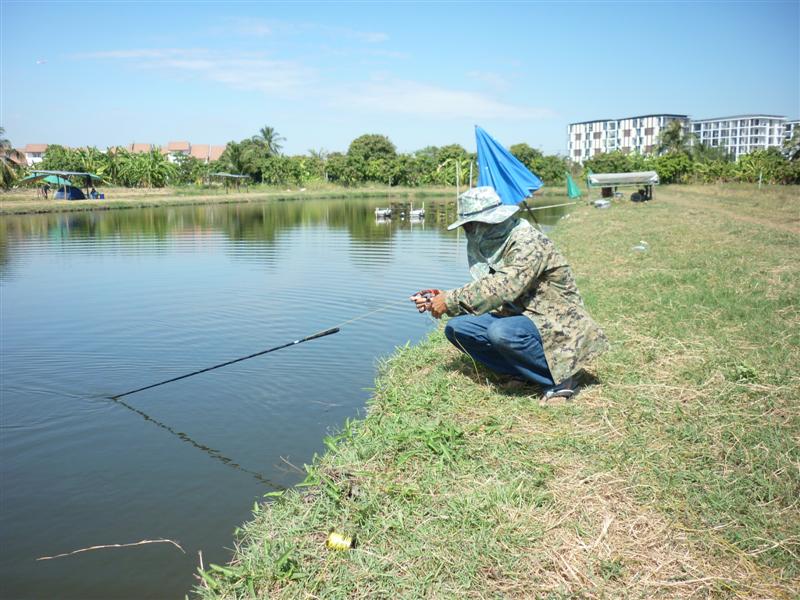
pixel 339 541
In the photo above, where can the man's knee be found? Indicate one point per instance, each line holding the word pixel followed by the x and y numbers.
pixel 464 327
pixel 511 333
pixel 499 334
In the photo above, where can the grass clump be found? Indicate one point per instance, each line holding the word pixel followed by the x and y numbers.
pixel 674 473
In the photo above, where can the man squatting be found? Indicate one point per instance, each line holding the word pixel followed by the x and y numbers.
pixel 522 314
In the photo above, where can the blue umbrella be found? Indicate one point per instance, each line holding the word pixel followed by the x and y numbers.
pixel 500 169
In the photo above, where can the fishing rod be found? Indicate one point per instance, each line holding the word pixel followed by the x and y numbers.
pixel 230 362
pixel 314 336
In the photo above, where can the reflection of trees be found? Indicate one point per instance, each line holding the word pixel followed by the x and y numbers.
pixel 259 223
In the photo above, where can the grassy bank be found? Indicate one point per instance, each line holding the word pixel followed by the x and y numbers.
pixel 673 474
pixel 25 201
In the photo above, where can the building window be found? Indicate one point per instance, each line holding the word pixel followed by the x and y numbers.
pixel 626 133
pixel 648 131
pixel 577 137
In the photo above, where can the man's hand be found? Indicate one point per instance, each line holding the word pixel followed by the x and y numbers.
pixel 438 305
pixel 423 299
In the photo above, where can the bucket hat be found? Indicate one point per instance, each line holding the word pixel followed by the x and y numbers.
pixel 484 205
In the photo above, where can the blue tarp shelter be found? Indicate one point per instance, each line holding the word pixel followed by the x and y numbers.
pixel 500 169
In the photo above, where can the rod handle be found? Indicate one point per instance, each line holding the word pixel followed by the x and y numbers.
pixel 321 334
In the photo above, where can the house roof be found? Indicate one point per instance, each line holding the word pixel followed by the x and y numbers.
pixel 750 116
pixel 138 148
pixel 179 147
pixel 35 148
pixel 215 152
pixel 634 117
pixel 200 151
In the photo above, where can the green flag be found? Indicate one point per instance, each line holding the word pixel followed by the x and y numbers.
pixel 573 191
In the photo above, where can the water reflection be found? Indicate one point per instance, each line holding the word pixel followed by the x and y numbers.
pixel 261 223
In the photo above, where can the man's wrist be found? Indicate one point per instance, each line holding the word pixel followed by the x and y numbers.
pixel 451 303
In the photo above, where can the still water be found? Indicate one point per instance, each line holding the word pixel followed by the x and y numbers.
pixel 95 304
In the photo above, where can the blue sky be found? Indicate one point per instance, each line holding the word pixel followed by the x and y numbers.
pixel 321 74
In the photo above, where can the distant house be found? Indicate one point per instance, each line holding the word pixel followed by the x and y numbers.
pixel 139 148
pixel 215 152
pixel 204 152
pixel 175 149
pixel 34 153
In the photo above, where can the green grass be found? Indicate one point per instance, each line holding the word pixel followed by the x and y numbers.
pixel 673 474
pixel 25 200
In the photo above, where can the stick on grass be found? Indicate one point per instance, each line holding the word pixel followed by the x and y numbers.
pixel 160 541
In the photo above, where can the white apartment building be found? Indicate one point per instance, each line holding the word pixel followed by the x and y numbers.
pixel 789 128
pixel 741 134
pixel 630 134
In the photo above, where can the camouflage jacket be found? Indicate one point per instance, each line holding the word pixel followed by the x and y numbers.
pixel 533 279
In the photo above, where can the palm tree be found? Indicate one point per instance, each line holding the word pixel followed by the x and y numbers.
pixel 322 154
pixel 673 138
pixel 10 161
pixel 269 139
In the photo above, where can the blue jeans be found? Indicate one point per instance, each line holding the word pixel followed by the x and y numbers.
pixel 509 345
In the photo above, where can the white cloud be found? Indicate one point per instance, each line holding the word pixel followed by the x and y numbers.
pixel 256 27
pixel 493 80
pixel 383 94
pixel 244 71
pixel 410 97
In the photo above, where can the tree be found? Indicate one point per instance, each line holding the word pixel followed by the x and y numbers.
pixel 59 158
pixel 91 160
pixel 672 167
pixel 703 153
pixel 761 165
pixel 189 169
pixel 269 139
pixel 673 138
pixel 611 162
pixel 147 169
pixel 525 154
pixel 11 161
pixel 233 159
pixel 371 147
pixel 791 147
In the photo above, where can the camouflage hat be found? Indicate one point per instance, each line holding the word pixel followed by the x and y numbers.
pixel 484 205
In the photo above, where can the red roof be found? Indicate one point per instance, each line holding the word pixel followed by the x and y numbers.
pixel 179 147
pixel 140 148
pixel 200 151
pixel 30 148
pixel 215 152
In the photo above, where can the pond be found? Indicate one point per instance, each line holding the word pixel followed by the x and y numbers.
pixel 95 304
